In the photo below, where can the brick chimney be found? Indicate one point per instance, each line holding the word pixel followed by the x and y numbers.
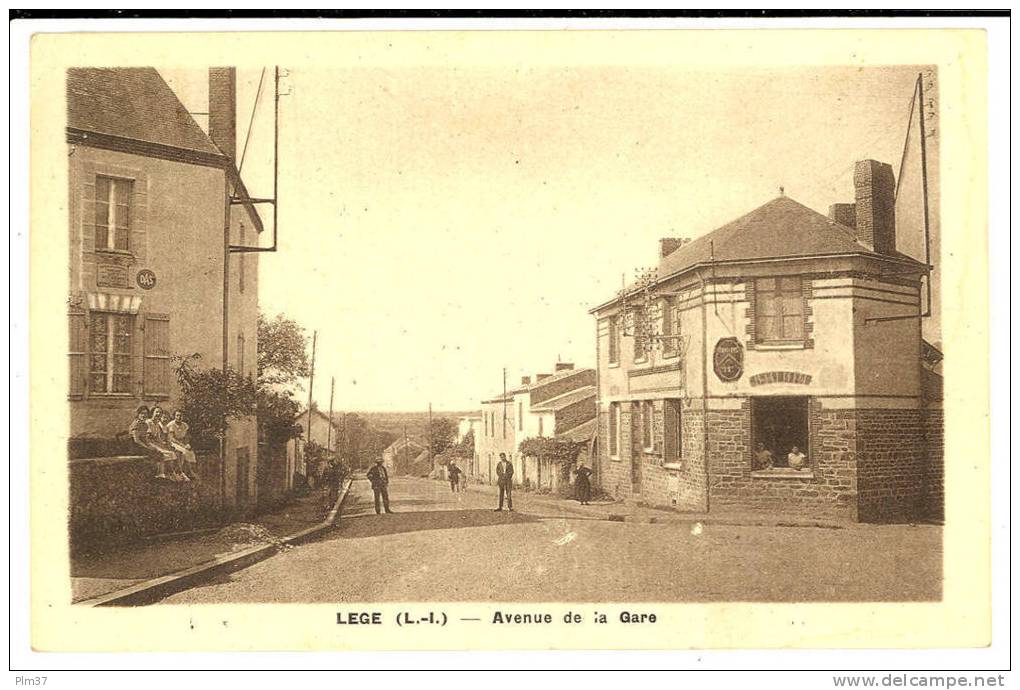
pixel 541 377
pixel 844 214
pixel 875 212
pixel 223 109
pixel 668 245
pixel 564 366
pixel 525 380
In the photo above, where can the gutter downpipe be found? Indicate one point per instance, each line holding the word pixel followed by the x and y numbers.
pixel 226 320
pixel 704 390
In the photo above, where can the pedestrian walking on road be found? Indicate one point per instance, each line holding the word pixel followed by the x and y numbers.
pixel 582 484
pixel 505 480
pixel 380 480
pixel 453 473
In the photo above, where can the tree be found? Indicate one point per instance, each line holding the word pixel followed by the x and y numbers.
pixel 210 398
pixel 441 434
pixel 466 447
pixel 277 411
pixel 282 351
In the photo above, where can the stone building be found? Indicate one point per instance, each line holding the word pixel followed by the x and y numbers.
pixel 548 406
pixel 784 328
pixel 154 202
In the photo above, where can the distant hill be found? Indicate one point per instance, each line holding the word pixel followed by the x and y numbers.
pixel 394 422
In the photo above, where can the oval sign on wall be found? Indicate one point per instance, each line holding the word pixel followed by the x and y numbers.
pixel 728 359
pixel 146 279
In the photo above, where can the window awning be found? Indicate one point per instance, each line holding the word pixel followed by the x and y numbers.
pixel 122 304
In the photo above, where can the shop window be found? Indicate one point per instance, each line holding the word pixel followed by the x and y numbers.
pixel 779 310
pixel 779 432
pixel 113 213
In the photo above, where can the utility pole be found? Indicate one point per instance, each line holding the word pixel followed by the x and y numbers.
pixel 504 402
pixel 329 431
pixel 311 382
pixel 406 449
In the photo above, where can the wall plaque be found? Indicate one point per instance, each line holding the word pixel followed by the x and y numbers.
pixel 111 275
pixel 728 359
pixel 146 279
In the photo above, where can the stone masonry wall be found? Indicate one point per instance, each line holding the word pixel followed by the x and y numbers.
pixel 827 490
pixel 891 465
pixel 935 498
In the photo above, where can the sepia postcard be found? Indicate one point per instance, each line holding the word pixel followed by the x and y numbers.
pixel 509 340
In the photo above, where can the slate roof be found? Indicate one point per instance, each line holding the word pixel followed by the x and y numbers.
pixel 135 103
pixel 581 433
pixel 558 376
pixel 781 228
pixel 565 400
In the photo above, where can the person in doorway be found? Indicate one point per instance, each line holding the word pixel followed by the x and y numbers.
pixel 505 480
pixel 763 458
pixel 796 459
pixel 453 474
pixel 180 440
pixel 380 480
pixel 582 484
pixel 139 431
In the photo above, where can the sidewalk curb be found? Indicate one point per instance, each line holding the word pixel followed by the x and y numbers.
pixel 161 587
pixel 680 518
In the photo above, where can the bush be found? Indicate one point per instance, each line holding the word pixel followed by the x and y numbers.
pixel 101 447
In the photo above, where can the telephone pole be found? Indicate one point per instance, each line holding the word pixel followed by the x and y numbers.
pixel 329 431
pixel 430 437
pixel 311 382
pixel 504 402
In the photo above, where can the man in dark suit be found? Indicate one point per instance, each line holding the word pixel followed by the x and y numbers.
pixel 505 480
pixel 380 480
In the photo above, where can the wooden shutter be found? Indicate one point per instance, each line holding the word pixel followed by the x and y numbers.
pixel 77 352
pixel 156 353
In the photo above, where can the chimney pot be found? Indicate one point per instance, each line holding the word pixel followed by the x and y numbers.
pixel 875 207
pixel 223 109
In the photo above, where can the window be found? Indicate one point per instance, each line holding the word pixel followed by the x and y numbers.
pixel 779 425
pixel 640 335
pixel 779 310
pixel 614 429
pixel 77 351
pixel 110 352
pixel 520 416
pixel 113 213
pixel 670 327
pixel 614 339
pixel 485 421
pixel 647 432
pixel 671 431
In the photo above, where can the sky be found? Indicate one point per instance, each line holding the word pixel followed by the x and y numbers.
pixel 439 224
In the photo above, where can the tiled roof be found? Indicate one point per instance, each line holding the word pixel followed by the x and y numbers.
pixel 580 433
pixel 558 376
pixel 134 103
pixel 561 401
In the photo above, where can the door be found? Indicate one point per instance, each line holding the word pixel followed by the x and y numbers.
pixel 241 474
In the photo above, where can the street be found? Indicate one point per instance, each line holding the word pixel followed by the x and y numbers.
pixel 440 546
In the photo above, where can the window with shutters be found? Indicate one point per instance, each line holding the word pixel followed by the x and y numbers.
pixel 670 327
pixel 113 213
pixel 614 339
pixel 110 339
pixel 156 373
pixel 779 310
pixel 77 354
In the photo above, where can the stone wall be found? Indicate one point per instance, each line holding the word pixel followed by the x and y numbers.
pixel 891 465
pixel 614 474
pixel 826 490
pixel 934 434
pixel 114 500
pixel 692 484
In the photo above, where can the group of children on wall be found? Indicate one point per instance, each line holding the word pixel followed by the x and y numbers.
pixel 168 441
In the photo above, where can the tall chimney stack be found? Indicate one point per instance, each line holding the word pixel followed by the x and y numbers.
pixel 223 110
pixel 875 208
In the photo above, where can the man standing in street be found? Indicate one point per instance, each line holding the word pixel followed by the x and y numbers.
pixel 505 480
pixel 380 480
pixel 453 472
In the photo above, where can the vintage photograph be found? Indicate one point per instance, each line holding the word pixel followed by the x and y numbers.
pixel 613 332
